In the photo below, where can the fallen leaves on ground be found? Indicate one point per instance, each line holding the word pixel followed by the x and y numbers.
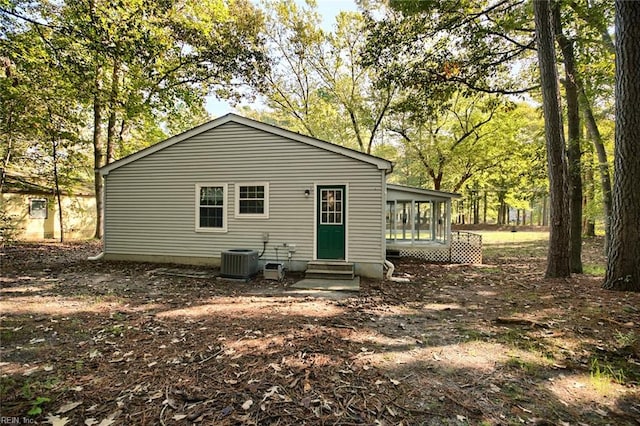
pixel 107 343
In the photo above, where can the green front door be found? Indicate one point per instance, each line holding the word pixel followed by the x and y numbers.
pixel 331 222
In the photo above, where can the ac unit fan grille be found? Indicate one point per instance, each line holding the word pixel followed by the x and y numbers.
pixel 239 263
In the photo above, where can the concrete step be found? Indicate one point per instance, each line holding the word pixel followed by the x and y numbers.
pixel 329 275
pixel 330 270
pixel 330 265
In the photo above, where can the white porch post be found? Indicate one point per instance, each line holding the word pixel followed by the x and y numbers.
pixel 447 236
pixel 434 219
pixel 412 205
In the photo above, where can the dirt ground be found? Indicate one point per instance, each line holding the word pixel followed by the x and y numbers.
pixel 102 343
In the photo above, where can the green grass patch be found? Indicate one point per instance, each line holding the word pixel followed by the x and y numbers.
pixel 603 373
pixel 530 368
pixel 520 250
pixel 36 405
pixel 594 269
pixel 507 238
pixel 6 383
pixel 520 339
pixel 473 335
pixel 625 339
pixel 7 335
pixel 10 335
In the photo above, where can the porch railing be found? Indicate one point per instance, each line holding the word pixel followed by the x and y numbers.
pixel 464 247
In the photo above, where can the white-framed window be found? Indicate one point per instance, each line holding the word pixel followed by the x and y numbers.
pixel 252 200
pixel 211 207
pixel 38 208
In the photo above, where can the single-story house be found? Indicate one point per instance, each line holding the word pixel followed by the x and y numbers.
pixel 236 183
pixel 29 209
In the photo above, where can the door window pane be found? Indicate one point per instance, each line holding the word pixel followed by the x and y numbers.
pixel 331 206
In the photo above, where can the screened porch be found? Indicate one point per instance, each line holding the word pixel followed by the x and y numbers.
pixel 417 216
pixel 418 224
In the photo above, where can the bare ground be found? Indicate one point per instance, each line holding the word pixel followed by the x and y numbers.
pixel 102 343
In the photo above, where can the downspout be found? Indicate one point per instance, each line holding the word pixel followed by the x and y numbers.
pixel 98 257
pixel 390 266
pixel 383 222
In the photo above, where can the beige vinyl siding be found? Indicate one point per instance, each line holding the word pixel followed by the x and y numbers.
pixel 150 203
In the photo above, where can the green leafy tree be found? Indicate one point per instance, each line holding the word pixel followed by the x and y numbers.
pixel 41 125
pixel 134 64
pixel 317 84
pixel 350 84
pixel 589 22
pixel 520 177
pixel 452 144
pixel 292 92
pixel 442 46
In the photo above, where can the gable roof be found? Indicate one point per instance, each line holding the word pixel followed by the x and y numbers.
pixel 20 183
pixel 381 163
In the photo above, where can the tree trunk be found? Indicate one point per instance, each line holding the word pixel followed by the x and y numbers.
pixel 558 264
pixel 484 207
pixel 590 228
pixel 437 182
pixel 592 127
pixel 57 185
pixel 113 112
pixel 7 157
pixel 5 163
pixel 505 214
pixel 589 193
pixel 98 149
pixel 476 209
pixel 573 147
pixel 500 209
pixel 623 265
pixel 603 162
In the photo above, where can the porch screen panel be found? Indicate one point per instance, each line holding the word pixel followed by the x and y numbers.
pixel 441 218
pixel 422 220
pixel 390 218
pixel 403 220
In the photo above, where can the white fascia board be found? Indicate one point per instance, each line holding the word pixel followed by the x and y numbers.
pixel 422 191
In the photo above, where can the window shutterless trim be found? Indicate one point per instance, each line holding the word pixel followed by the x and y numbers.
pixel 36 213
pixel 225 197
pixel 264 215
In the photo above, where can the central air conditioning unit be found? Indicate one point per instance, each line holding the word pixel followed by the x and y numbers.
pixel 239 263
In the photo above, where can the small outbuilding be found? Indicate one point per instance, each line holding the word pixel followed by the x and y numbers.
pixel 29 209
pixel 236 183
